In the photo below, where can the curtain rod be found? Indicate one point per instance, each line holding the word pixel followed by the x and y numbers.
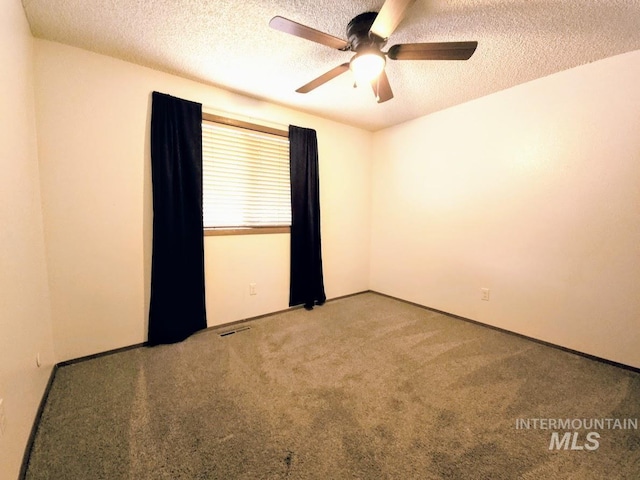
pixel 249 123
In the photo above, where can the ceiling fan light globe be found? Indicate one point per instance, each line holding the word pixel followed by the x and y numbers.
pixel 367 66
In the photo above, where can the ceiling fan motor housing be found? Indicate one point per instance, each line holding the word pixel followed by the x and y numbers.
pixel 359 36
pixel 369 61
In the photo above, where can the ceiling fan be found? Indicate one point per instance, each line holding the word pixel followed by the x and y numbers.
pixel 367 34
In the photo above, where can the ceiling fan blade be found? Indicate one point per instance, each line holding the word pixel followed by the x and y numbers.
pixel 382 88
pixel 324 78
pixel 289 26
pixel 389 17
pixel 433 51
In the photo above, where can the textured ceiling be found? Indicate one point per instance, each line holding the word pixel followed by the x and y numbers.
pixel 228 43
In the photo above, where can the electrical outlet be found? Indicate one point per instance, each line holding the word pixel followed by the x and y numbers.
pixel 252 289
pixel 3 419
pixel 484 294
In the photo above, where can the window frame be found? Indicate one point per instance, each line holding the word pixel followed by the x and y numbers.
pixel 222 231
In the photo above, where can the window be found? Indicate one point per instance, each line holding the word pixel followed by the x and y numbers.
pixel 245 171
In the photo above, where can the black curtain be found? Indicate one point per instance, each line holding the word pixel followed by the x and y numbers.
pixel 177 267
pixel 307 284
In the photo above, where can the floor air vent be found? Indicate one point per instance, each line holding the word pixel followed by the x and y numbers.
pixel 237 330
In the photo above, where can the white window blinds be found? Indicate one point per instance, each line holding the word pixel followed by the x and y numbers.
pixel 245 178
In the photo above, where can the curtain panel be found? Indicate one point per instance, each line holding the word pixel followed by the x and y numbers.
pixel 307 283
pixel 177 307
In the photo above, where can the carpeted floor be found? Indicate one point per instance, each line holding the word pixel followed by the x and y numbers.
pixel 365 387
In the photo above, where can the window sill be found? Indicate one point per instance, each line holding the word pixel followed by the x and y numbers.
pixel 216 232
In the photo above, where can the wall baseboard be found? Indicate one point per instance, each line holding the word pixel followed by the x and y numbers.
pixel 526 337
pixel 213 327
pixel 235 323
pixel 100 354
pixel 34 428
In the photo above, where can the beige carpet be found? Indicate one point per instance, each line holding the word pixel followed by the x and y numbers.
pixel 365 387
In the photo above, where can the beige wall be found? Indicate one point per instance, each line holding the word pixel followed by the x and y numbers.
pixel 93 119
pixel 25 321
pixel 533 192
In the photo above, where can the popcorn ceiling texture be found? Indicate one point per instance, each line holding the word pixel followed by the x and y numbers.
pixel 230 44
